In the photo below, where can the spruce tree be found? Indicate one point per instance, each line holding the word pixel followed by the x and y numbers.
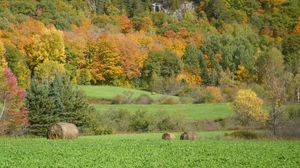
pixel 55 101
pixel 41 107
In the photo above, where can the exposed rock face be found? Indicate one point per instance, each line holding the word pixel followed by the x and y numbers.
pixel 179 13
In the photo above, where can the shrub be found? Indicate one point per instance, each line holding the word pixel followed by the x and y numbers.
pixel 248 107
pixel 144 99
pixel 168 100
pixel 186 100
pixel 213 95
pixel 95 126
pixel 4 127
pixel 139 121
pixel 197 94
pixel 124 98
pixel 119 99
pixel 118 120
pixel 166 122
pixel 143 121
pixel 291 127
pixel 243 135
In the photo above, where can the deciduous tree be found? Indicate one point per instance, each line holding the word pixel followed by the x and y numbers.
pixel 248 107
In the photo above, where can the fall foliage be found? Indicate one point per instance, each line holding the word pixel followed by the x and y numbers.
pixel 247 106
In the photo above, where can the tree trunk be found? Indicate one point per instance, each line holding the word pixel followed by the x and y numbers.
pixel 4 106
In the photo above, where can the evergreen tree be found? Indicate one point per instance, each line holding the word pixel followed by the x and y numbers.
pixel 190 58
pixel 203 69
pixel 55 101
pixel 41 107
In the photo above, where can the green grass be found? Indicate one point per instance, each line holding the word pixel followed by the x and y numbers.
pixel 147 150
pixel 108 92
pixel 190 111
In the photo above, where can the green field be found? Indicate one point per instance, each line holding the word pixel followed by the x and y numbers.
pixel 108 92
pixel 147 150
pixel 190 111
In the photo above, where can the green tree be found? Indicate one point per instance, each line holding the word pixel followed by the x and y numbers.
pixel 203 68
pixel 162 63
pixel 55 101
pixel 291 50
pixel 191 58
pixel 17 64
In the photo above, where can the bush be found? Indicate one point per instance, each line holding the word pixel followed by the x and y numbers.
pixel 165 122
pixel 248 108
pixel 119 99
pixel 117 120
pixel 168 100
pixel 95 126
pixel 213 95
pixel 291 126
pixel 197 94
pixel 186 100
pixel 139 121
pixel 144 99
pixel 143 121
pixel 124 98
pixel 243 135
pixel 4 127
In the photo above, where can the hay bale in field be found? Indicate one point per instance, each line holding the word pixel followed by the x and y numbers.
pixel 168 136
pixel 188 136
pixel 62 131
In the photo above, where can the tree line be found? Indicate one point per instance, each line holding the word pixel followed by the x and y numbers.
pixel 223 44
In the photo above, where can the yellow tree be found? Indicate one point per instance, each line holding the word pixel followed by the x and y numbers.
pixel 106 51
pixel 3 62
pixel 48 70
pixel 248 107
pixel 47 46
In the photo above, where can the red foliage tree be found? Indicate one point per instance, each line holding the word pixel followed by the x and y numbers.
pixel 13 109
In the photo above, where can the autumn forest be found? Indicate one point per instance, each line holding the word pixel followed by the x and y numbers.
pixel 169 47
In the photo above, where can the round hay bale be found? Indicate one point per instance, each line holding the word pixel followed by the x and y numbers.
pixel 188 136
pixel 168 136
pixel 62 131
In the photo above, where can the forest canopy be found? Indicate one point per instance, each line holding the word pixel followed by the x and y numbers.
pixel 134 43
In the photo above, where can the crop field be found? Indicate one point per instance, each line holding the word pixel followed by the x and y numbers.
pixel 148 150
pixel 190 111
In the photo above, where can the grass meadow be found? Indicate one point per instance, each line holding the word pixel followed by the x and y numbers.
pixel 190 111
